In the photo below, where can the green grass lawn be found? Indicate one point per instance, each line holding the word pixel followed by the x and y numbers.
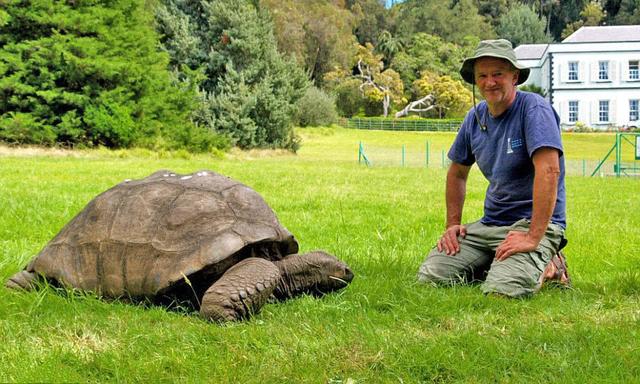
pixel 383 328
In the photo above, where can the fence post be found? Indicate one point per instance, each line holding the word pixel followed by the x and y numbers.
pixel 618 154
pixel 403 152
pixel 426 154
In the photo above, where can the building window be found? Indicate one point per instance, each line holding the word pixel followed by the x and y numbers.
pixel 634 71
pixel 603 112
pixel 603 70
pixel 633 110
pixel 573 111
pixel 573 71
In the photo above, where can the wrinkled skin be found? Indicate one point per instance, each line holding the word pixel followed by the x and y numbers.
pixel 313 273
pixel 248 285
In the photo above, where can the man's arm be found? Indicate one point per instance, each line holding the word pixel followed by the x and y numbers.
pixel 455 193
pixel 546 162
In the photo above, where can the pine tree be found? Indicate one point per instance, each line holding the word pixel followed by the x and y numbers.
pixel 521 25
pixel 228 49
pixel 89 73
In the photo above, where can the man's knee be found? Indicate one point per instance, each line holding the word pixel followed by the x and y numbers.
pixel 436 270
pixel 513 288
pixel 512 279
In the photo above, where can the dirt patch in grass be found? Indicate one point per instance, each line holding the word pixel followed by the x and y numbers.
pixel 239 154
pixel 34 151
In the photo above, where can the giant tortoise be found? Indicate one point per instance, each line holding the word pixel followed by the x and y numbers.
pixel 202 239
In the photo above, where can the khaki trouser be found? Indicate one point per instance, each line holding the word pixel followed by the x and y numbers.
pixel 515 276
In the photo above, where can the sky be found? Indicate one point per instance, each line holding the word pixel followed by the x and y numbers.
pixel 389 3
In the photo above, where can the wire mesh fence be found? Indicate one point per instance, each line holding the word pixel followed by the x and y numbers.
pixel 411 156
pixel 437 125
pixel 607 168
pixel 402 156
pixel 586 168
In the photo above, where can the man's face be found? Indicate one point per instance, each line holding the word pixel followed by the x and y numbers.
pixel 496 79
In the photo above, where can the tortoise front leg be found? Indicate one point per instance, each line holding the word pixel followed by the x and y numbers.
pixel 241 291
pixel 22 280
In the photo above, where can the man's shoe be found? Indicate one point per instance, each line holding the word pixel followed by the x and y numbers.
pixel 556 272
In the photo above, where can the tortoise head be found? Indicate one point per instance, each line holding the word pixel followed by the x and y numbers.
pixel 315 273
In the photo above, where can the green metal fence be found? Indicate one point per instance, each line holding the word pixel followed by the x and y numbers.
pixel 404 124
pixel 427 156
pixel 402 156
pixel 623 168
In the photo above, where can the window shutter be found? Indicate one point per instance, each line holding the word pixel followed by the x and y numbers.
pixel 582 71
pixel 612 111
pixel 594 112
pixel 613 70
pixel 624 71
pixel 583 114
pixel 593 71
pixel 563 72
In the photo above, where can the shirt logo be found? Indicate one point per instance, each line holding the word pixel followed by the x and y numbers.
pixel 513 144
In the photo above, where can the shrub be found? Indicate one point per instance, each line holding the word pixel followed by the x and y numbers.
pixel 349 100
pixel 578 127
pixel 23 128
pixel 86 74
pixel 110 125
pixel 316 108
pixel 228 49
pixel 534 89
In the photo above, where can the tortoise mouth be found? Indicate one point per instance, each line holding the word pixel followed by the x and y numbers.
pixel 187 293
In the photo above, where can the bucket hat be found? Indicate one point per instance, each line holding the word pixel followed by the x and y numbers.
pixel 501 49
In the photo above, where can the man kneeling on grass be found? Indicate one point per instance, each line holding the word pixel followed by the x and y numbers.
pixel 514 137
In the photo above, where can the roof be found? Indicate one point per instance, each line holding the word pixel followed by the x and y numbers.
pixel 605 34
pixel 530 51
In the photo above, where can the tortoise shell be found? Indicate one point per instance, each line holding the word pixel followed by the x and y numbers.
pixel 143 238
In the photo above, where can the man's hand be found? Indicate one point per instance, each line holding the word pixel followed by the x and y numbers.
pixel 515 242
pixel 449 241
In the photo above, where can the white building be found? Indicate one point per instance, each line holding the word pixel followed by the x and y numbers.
pixel 592 77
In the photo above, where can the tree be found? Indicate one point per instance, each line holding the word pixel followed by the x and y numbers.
pixel 493 10
pixel 431 53
pixel 591 15
pixel 452 98
pixel 378 88
pixel 316 108
pixel 370 19
pixel 534 88
pixel 389 45
pixel 563 13
pixel 521 25
pixel 88 73
pixel 452 23
pixel 628 13
pixel 378 85
pixel 346 90
pixel 424 104
pixel 248 90
pixel 302 32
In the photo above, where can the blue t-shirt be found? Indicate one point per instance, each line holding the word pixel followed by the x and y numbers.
pixel 503 152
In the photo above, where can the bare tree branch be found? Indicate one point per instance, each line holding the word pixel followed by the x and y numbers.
pixel 421 105
pixel 368 80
